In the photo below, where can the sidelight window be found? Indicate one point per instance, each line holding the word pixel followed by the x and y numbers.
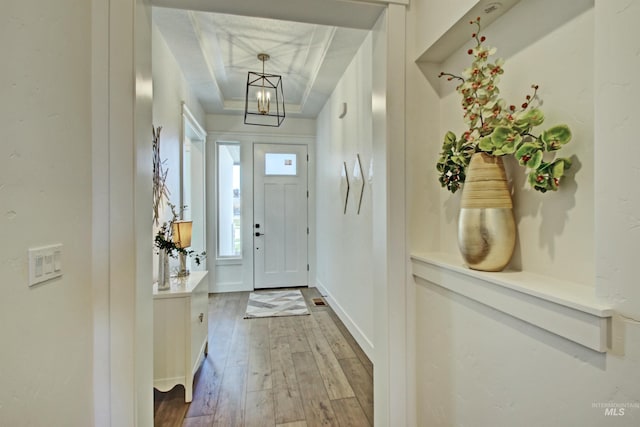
pixel 229 200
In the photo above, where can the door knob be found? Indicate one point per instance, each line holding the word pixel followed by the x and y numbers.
pixel 258 234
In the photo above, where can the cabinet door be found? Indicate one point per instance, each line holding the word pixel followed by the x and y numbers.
pixel 199 321
pixel 169 342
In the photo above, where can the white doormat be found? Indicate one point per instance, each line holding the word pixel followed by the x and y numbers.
pixel 276 303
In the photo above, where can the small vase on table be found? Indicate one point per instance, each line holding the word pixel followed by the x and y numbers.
pixel 164 275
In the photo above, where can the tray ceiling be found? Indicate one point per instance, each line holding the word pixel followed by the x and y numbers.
pixel 215 52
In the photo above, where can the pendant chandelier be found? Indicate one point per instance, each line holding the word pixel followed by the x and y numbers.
pixel 264 99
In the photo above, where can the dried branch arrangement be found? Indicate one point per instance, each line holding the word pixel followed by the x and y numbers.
pixel 160 190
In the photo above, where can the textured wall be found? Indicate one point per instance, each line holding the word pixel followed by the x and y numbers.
pixel 480 367
pixel 477 366
pixel 45 198
pixel 617 230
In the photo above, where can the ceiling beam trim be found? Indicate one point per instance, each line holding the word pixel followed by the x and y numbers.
pixel 205 49
pixel 349 14
pixel 326 42
pixel 383 2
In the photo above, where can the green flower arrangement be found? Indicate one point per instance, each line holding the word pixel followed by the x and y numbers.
pixel 499 129
pixel 163 240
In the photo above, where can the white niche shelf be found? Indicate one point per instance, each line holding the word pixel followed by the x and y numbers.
pixel 460 32
pixel 564 308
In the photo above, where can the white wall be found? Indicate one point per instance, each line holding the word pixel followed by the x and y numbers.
pixel 434 18
pixel 230 275
pixel 170 89
pixel 344 241
pixel 617 207
pixel 45 198
pixel 477 366
pixel 232 124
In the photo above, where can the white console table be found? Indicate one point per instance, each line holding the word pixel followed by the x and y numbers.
pixel 180 318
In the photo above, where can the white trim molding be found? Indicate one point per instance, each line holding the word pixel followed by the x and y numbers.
pixel 193 122
pixel 230 287
pixel 121 224
pixel 567 309
pixel 363 341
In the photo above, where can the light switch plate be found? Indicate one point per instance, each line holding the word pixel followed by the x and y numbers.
pixel 45 263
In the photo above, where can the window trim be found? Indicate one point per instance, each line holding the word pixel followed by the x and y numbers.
pixel 226 259
pixel 280 154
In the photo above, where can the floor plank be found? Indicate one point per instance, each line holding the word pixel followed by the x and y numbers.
pixel 230 405
pixel 293 424
pixel 336 340
pixel 288 404
pixel 206 388
pixel 335 381
pixel 239 346
pixel 362 356
pixel 361 383
pixel 171 409
pixel 221 325
pixel 317 406
pixel 203 421
pixel 259 410
pixel 280 327
pixel 298 342
pixel 259 373
pixel 349 413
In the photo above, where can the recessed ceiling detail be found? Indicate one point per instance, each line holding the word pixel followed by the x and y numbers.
pixel 216 51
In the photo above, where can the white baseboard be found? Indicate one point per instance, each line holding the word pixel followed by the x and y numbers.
pixel 353 329
pixel 217 288
pixel 229 287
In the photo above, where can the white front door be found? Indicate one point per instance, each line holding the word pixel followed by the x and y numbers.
pixel 280 215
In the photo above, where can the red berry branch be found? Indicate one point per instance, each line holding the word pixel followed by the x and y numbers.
pixel 499 128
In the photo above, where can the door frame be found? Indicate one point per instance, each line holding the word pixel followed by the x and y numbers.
pixel 193 131
pixel 253 205
pixel 122 300
pixel 236 274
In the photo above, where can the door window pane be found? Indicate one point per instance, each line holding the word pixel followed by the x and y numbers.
pixel 229 239
pixel 280 164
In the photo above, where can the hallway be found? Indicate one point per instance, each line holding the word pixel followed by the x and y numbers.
pixel 286 371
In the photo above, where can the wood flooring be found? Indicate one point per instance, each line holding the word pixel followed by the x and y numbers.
pixel 300 371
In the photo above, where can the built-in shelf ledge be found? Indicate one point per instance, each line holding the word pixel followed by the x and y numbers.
pixel 460 32
pixel 564 308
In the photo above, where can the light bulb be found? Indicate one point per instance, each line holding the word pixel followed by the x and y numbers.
pixel 263 101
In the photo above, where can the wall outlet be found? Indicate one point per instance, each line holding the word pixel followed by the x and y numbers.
pixel 45 263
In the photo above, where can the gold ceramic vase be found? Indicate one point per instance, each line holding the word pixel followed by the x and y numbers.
pixel 486 227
